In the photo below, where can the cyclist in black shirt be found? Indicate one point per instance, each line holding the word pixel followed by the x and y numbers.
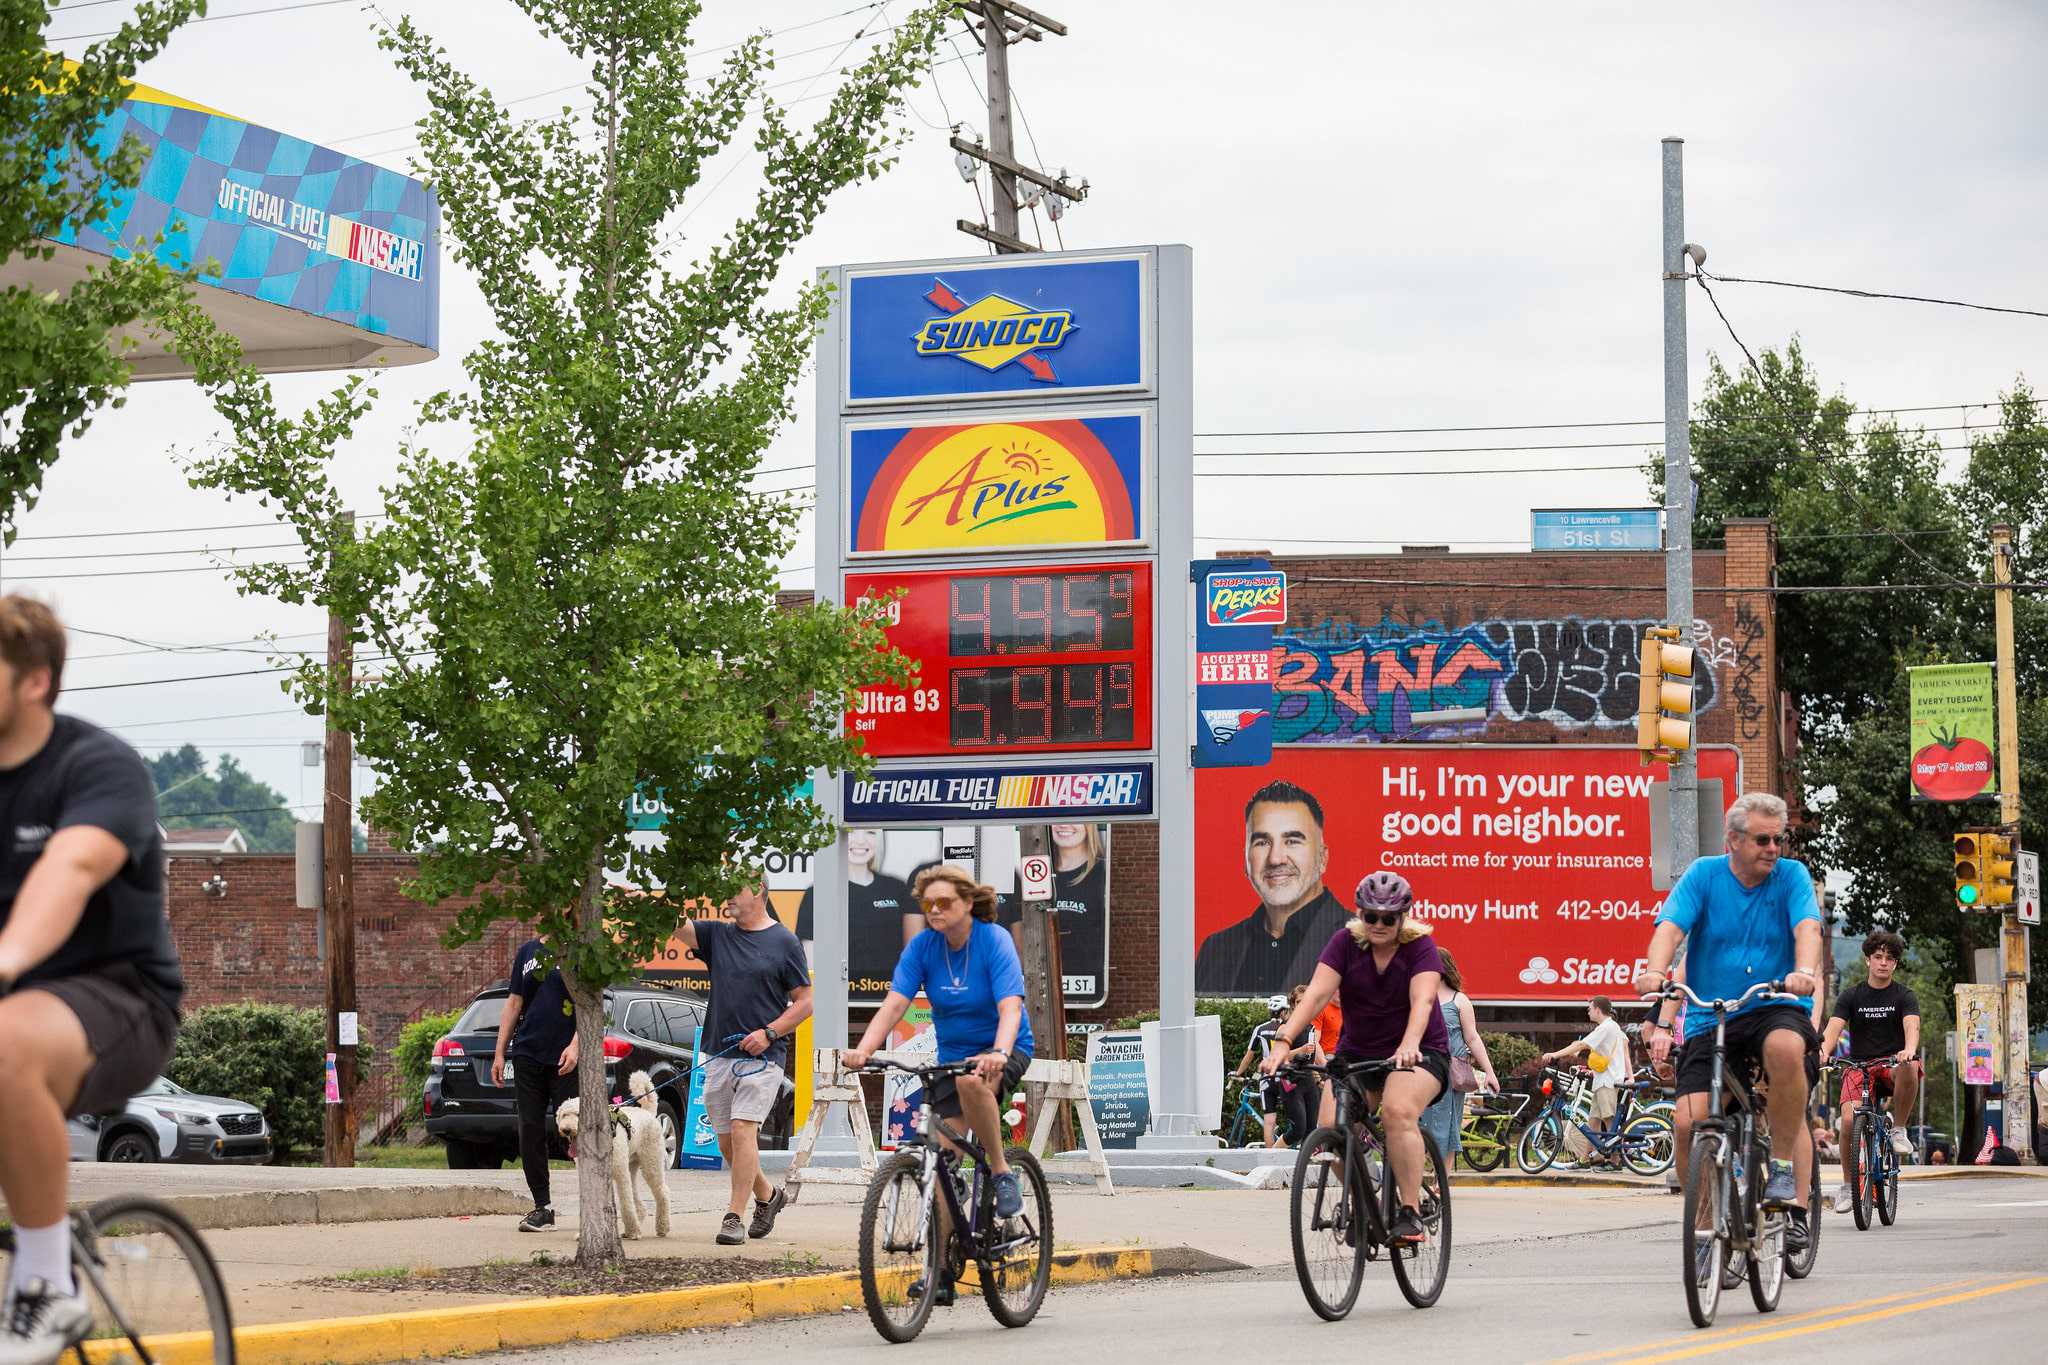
pixel 1883 1018
pixel 89 981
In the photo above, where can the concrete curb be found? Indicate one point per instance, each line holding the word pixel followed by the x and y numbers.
pixel 482 1328
pixel 374 1204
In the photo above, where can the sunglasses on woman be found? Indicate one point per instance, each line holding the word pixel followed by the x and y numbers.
pixel 940 902
pixel 1385 920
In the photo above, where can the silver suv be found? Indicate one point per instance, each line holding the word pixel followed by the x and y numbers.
pixel 167 1122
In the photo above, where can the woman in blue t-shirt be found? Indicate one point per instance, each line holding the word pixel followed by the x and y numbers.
pixel 968 968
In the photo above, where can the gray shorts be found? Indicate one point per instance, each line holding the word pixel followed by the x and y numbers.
pixel 130 1030
pixel 743 1088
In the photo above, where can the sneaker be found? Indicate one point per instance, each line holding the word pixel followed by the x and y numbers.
pixel 540 1220
pixel 1843 1198
pixel 1009 1195
pixel 942 1299
pixel 1901 1144
pixel 42 1324
pixel 1798 1234
pixel 1408 1230
pixel 731 1231
pixel 1781 1189
pixel 764 1214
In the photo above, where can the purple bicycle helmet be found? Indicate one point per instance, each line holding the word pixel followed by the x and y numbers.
pixel 1383 891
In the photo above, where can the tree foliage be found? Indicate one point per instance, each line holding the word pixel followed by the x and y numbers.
pixel 579 598
pixel 189 797
pixel 58 166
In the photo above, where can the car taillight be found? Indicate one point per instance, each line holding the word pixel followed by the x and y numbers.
pixel 616 1049
pixel 448 1047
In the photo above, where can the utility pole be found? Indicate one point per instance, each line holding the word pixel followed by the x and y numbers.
pixel 1044 983
pixel 1004 22
pixel 1685 773
pixel 2019 1096
pixel 338 908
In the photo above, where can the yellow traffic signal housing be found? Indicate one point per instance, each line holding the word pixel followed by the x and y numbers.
pixel 1984 868
pixel 1664 704
pixel 1969 878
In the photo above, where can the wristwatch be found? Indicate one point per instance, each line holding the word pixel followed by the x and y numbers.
pixel 773 1036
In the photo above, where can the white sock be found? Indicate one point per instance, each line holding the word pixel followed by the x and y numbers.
pixel 43 1254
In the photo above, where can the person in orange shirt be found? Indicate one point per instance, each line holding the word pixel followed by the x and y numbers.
pixel 1329 1026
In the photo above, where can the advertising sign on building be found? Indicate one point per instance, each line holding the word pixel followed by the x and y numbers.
pixel 1242 601
pixel 1954 732
pixel 1116 1085
pixel 1532 864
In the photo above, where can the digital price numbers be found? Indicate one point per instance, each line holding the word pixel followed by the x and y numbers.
pixel 1040 659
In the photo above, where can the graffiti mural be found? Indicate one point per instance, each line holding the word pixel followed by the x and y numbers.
pixel 1340 683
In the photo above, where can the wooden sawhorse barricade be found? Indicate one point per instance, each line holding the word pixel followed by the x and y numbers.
pixel 1063 1083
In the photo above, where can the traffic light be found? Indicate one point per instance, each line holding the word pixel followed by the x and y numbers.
pixel 1664 712
pixel 1984 869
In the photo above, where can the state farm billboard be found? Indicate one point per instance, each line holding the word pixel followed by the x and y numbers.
pixel 1532 864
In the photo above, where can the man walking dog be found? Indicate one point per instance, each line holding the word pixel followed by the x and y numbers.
pixel 760 992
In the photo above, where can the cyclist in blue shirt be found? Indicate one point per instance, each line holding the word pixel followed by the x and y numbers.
pixel 1748 916
pixel 967 967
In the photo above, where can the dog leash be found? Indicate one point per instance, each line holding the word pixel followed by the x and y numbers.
pixel 732 1043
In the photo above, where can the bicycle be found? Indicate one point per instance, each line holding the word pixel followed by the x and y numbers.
pixel 1724 1179
pixel 1342 1203
pixel 155 1290
pixel 1642 1141
pixel 1486 1136
pixel 1869 1166
pixel 1248 1117
pixel 906 1267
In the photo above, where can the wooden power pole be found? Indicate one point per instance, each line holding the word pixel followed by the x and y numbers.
pixel 338 897
pixel 2012 934
pixel 1004 22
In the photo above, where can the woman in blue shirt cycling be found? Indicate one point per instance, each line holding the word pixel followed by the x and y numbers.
pixel 968 968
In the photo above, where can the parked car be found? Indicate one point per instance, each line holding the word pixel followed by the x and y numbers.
pixel 648 1028
pixel 167 1122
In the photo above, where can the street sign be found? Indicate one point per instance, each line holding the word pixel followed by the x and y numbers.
pixel 2027 901
pixel 1035 872
pixel 1596 528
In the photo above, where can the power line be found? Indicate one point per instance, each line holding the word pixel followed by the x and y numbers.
pixel 1773 590
pixel 1878 294
pixel 201 720
pixel 157 554
pixel 151 647
pixel 143 573
pixel 212 18
pixel 239 673
pixel 1552 426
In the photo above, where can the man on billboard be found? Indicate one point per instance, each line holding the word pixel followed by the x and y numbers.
pixel 1275 948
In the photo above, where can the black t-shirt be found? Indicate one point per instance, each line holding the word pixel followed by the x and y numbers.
pixel 547 1018
pixel 753 974
pixel 1246 960
pixel 874 933
pixel 1080 896
pixel 85 776
pixel 1876 1018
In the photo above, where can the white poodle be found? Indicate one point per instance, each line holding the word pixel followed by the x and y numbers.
pixel 636 1146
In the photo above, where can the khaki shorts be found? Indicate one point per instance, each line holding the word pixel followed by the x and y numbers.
pixel 743 1088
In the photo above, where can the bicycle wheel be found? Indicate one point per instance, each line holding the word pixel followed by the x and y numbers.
pixel 1765 1259
pixel 1647 1146
pixel 154 1287
pixel 1237 1128
pixel 1484 1151
pixel 1420 1270
pixel 1801 1265
pixel 1540 1143
pixel 897 1249
pixel 1856 1169
pixel 1015 1285
pixel 1704 1248
pixel 1884 1190
pixel 1326 1220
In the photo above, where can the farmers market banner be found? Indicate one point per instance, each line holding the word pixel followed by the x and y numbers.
pixel 1953 734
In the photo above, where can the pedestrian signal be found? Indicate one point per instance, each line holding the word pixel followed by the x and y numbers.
pixel 1664 711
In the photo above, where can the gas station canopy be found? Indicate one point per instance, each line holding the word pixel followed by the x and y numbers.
pixel 314 259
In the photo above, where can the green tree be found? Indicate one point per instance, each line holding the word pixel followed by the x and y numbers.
pixel 582 599
pixel 189 797
pixel 57 368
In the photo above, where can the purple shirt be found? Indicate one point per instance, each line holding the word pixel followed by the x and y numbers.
pixel 1375 1003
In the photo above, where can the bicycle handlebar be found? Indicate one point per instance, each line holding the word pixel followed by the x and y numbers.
pixel 1678 990
pixel 878 1065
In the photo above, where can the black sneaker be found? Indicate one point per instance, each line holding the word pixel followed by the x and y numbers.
pixel 540 1220
pixel 732 1232
pixel 764 1214
pixel 1798 1236
pixel 1408 1230
pixel 1781 1189
pixel 942 1299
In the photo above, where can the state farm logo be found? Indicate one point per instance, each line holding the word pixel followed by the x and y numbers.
pixel 1582 971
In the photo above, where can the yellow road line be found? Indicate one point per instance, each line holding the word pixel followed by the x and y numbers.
pixel 1758 1338
pixel 1720 1333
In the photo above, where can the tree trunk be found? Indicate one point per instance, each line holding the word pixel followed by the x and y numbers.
pixel 597 1229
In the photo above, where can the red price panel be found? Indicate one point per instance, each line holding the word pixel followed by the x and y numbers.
pixel 1039 659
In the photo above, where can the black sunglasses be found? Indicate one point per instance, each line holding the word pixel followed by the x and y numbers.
pixel 1386 920
pixel 1770 840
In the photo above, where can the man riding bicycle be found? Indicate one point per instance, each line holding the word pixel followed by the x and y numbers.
pixel 968 968
pixel 1385 970
pixel 1883 1018
pixel 89 980
pixel 1276 1097
pixel 1748 916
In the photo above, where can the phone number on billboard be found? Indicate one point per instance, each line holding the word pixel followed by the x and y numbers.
pixel 1607 910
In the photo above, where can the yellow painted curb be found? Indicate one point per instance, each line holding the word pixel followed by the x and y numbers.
pixel 481 1328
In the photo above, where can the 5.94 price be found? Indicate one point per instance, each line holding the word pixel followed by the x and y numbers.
pixel 1088 703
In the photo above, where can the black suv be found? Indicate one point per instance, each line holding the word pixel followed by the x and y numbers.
pixel 647 1028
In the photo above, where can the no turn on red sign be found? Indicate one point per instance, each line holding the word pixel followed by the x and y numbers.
pixel 1034 870
pixel 2027 897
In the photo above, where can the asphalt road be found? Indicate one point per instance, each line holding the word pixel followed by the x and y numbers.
pixel 1966 1266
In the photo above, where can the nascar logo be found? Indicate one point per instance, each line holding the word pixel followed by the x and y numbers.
pixel 1224 725
pixel 1069 789
pixel 1246 599
pixel 993 332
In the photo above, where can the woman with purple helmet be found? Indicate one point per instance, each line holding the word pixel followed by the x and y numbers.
pixel 1384 969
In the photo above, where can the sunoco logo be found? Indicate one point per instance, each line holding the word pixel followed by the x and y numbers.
pixel 993 332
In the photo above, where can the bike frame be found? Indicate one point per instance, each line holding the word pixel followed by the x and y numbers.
pixel 1874 1125
pixel 940 1166
pixel 1380 1197
pixel 1605 1141
pixel 1744 1135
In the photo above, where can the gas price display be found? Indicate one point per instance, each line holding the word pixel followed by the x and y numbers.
pixel 1041 659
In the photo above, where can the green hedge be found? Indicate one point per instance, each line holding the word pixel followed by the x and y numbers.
pixel 415 1050
pixel 267 1055
pixel 1239 1018
pixel 1510 1053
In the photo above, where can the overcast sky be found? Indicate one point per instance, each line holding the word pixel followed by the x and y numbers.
pixel 1401 216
